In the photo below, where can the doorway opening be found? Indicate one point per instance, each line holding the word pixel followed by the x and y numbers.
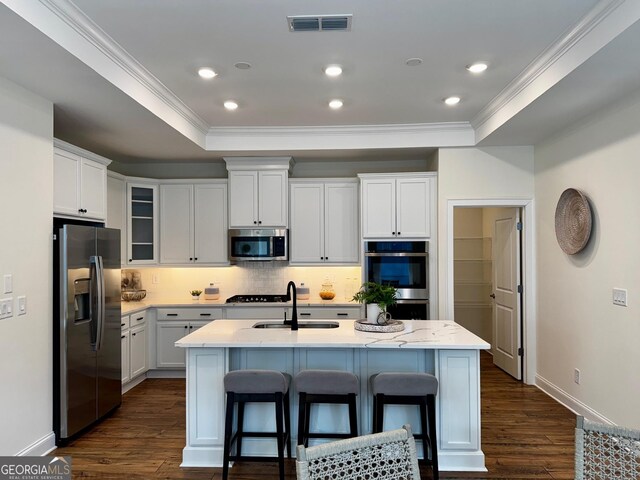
pixel 490 282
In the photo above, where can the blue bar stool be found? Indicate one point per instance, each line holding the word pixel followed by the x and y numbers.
pixel 244 386
pixel 325 386
pixel 409 389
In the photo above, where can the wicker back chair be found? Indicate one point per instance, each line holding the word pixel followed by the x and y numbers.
pixel 605 452
pixel 383 456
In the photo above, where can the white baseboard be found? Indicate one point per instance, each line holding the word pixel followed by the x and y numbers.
pixel 136 381
pixel 40 447
pixel 166 374
pixel 569 401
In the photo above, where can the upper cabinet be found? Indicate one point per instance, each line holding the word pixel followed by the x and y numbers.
pixel 258 191
pixel 117 208
pixel 142 224
pixel 398 206
pixel 80 182
pixel 193 223
pixel 324 221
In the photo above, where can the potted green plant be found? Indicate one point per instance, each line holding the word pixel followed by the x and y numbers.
pixel 377 297
pixel 195 294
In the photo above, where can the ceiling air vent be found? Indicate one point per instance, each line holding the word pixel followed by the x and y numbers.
pixel 319 23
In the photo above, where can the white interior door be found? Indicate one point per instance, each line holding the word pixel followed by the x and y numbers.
pixel 506 279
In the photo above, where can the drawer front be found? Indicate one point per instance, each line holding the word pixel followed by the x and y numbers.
pixel 124 322
pixel 262 313
pixel 189 313
pixel 329 312
pixel 137 318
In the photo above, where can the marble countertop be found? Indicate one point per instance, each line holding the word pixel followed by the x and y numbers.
pixel 131 307
pixel 417 334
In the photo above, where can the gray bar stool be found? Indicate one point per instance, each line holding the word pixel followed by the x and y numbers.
pixel 409 389
pixel 244 386
pixel 325 386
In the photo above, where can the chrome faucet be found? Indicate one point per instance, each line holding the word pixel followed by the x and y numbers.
pixel 294 313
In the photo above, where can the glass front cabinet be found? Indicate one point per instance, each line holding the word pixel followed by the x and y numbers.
pixel 142 231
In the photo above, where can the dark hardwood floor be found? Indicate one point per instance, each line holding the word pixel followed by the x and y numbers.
pixel 525 435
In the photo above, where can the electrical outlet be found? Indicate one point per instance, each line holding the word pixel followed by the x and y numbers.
pixel 22 304
pixel 620 297
pixel 576 376
pixel 8 283
pixel 155 278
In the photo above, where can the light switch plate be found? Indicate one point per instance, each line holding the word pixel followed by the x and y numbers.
pixel 8 283
pixel 620 297
pixel 6 308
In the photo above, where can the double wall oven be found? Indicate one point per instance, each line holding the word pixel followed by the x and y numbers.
pixel 405 265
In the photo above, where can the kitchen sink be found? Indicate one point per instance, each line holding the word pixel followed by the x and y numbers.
pixel 300 325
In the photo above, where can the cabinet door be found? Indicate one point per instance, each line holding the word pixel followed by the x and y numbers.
pixel 138 349
pixel 306 240
pixel 272 195
pixel 124 351
pixel 142 224
pixel 167 334
pixel 378 208
pixel 117 211
pixel 341 239
pixel 196 324
pixel 176 224
pixel 210 224
pixel 413 207
pixel 66 183
pixel 93 189
pixel 243 199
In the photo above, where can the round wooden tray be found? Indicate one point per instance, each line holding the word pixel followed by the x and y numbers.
pixel 392 326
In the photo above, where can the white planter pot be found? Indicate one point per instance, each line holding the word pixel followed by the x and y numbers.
pixel 373 310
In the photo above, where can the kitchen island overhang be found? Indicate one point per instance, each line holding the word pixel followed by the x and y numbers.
pixel 440 347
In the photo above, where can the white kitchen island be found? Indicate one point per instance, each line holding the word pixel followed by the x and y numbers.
pixel 442 348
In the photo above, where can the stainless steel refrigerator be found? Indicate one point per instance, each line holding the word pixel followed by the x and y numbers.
pixel 87 358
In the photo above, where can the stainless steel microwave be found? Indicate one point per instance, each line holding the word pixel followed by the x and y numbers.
pixel 258 244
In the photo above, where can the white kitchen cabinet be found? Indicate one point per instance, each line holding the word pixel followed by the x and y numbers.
pixel 258 191
pixel 124 351
pixel 138 349
pixel 134 346
pixel 397 206
pixel 193 223
pixel 117 209
pixel 258 199
pixel 172 325
pixel 326 313
pixel 79 183
pixel 324 222
pixel 142 224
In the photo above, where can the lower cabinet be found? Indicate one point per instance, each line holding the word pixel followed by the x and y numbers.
pixel 172 325
pixel 134 346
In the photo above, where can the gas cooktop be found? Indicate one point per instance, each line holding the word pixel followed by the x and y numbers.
pixel 259 298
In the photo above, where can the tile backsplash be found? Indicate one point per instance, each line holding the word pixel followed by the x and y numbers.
pixel 249 278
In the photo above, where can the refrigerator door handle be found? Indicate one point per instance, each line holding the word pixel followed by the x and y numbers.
pixel 100 301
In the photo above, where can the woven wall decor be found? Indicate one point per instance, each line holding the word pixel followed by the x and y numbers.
pixel 573 221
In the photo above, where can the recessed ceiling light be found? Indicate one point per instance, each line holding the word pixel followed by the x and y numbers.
pixel 243 65
pixel 333 70
pixel 452 100
pixel 412 62
pixel 207 73
pixel 335 104
pixel 477 67
pixel 230 105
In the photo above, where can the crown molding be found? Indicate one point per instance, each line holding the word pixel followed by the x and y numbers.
pixel 340 137
pixel 607 20
pixel 81 152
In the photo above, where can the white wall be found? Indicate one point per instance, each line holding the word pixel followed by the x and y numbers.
pixel 579 327
pixel 477 174
pixel 26 195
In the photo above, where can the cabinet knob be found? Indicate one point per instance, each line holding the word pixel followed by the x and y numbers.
pixel 122 336
pixel 398 233
pixel 190 258
pixel 393 233
pixel 195 258
pixel 259 222
pixel 493 295
pixel 131 259
pixel 255 222
pixel 133 334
